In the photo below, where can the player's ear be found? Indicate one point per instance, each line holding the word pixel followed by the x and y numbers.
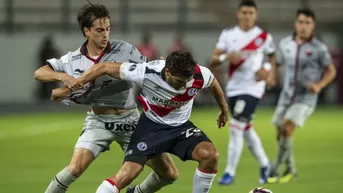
pixel 167 71
pixel 86 31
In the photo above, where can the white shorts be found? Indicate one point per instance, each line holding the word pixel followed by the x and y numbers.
pixel 99 131
pixel 298 113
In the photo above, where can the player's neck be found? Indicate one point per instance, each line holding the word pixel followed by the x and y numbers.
pixel 246 28
pixel 301 40
pixel 93 50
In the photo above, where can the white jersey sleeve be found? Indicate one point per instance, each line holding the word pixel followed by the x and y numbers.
pixel 207 76
pixel 133 72
pixel 269 46
pixel 59 65
pixel 222 41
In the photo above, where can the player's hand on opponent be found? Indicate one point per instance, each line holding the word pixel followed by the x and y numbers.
pixel 71 83
pixel 234 58
pixel 315 88
pixel 60 94
pixel 222 118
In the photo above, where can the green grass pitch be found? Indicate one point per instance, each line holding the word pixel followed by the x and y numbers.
pixel 33 148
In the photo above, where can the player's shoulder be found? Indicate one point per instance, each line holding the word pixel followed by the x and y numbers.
pixel 286 40
pixel 119 44
pixel 155 66
pixel 74 56
pixel 259 30
pixel 71 56
pixel 319 44
pixel 202 69
pixel 230 29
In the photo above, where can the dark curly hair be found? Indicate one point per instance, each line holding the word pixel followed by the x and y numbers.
pixel 89 13
pixel 181 63
pixel 307 12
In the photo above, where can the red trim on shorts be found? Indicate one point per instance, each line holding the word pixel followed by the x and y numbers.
pixel 248 127
pixel 235 126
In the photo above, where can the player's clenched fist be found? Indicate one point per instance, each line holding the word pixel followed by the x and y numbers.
pixel 59 94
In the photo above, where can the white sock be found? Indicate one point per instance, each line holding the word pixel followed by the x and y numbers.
pixel 235 145
pixel 202 181
pixel 152 183
pixel 61 182
pixel 255 146
pixel 107 186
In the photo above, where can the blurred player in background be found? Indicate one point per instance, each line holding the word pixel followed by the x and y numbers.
pixel 308 69
pixel 244 46
pixel 115 115
pixel 168 90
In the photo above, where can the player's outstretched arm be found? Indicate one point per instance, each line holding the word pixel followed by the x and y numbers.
pixel 109 68
pixel 219 96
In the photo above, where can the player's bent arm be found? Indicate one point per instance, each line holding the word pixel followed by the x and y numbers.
pixel 218 95
pixel 328 76
pixel 109 68
pixel 46 74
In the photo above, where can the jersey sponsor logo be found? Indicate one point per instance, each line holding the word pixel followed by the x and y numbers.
pixel 192 91
pixel 115 51
pixel 168 103
pixel 142 146
pixel 132 49
pixel 133 67
pixel 79 71
pixel 154 62
pixel 76 57
pixel 120 127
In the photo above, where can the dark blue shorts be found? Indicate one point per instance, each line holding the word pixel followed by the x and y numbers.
pixel 151 139
pixel 242 107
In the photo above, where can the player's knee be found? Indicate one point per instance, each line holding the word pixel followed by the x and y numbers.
pixel 206 152
pixel 171 176
pixel 288 128
pixel 129 171
pixel 76 169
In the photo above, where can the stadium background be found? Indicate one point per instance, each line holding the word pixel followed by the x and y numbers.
pixel 37 136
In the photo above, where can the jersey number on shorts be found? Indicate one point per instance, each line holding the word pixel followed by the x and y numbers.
pixel 239 107
pixel 191 132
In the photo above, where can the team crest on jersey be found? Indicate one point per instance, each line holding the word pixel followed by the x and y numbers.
pixel 192 91
pixel 132 67
pixel 142 146
pixel 258 41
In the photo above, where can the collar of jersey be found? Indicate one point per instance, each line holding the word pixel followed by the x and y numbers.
pixel 84 50
pixel 308 40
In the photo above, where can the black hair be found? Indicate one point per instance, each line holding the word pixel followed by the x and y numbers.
pixel 89 13
pixel 248 3
pixel 307 12
pixel 181 63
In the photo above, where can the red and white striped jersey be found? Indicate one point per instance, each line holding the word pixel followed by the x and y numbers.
pixel 162 103
pixel 252 45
